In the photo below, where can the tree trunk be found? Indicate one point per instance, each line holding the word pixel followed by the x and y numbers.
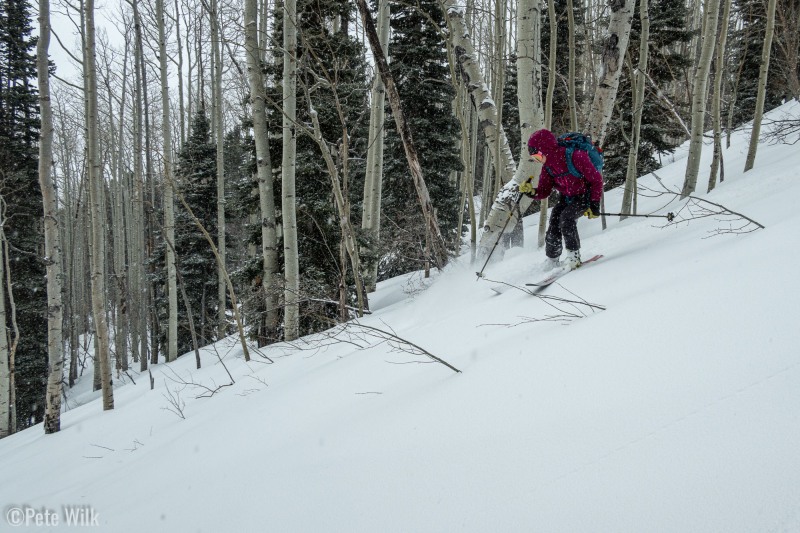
pixel 220 135
pixel 52 235
pixel 498 80
pixel 548 114
pixel 5 362
pixel 289 200
pixel 699 97
pixel 434 235
pixel 614 49
pixel 716 102
pixel 269 239
pixel 97 212
pixel 573 111
pixel 762 86
pixel 181 105
pixel 169 201
pixel 342 206
pixel 551 65
pixel 373 181
pixel 628 197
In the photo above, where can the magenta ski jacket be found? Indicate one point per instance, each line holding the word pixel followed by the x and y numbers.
pixel 555 173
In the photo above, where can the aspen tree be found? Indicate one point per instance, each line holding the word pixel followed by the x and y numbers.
pixel 5 353
pixel 169 200
pixel 762 86
pixel 699 97
pixel 52 235
pixel 263 166
pixel 629 195
pixel 220 142
pixel 97 211
pixel 373 180
pixel 288 164
pixel 716 102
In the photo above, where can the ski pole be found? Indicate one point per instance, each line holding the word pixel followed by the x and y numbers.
pixel 669 216
pixel 500 236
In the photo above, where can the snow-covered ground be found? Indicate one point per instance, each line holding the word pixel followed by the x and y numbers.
pixel 670 404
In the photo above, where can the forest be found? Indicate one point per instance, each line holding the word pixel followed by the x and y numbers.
pixel 198 170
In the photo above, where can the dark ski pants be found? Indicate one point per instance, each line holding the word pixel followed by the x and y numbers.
pixel 563 224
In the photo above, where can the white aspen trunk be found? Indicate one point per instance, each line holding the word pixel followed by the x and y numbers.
pixel 548 112
pixel 119 224
pixel 614 49
pixel 695 25
pixel 98 281
pixel 181 105
pixel 289 200
pixel 716 102
pixel 762 86
pixel 5 362
pixel 169 200
pixel 52 234
pixel 628 203
pixel 551 65
pixel 573 111
pixel 12 306
pixel 373 182
pixel 269 238
pixel 470 157
pixel 529 92
pixel 220 135
pixel 138 272
pixel 498 80
pixel 699 98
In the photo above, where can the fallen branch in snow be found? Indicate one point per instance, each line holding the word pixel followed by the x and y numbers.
pixel 550 299
pixel 360 336
pixel 209 390
pixel 400 343
pixel 698 208
pixel 785 130
pixel 176 403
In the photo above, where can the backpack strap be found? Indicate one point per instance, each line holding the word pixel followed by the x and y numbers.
pixel 570 164
pixel 571 169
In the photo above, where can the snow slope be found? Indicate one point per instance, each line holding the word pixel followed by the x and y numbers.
pixel 672 405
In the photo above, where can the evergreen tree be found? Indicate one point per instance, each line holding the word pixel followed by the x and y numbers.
pixel 326 51
pixel 196 175
pixel 419 66
pixel 660 132
pixel 21 207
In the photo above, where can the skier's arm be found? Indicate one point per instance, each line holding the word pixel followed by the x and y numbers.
pixel 545 186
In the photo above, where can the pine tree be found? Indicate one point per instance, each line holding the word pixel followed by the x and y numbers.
pixel 21 206
pixel 419 66
pixel 326 51
pixel 196 176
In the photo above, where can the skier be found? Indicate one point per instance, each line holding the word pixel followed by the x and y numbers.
pixel 577 195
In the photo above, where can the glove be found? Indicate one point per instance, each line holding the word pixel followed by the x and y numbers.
pixel 593 211
pixel 527 188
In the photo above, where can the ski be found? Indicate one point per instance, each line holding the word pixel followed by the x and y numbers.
pixel 561 272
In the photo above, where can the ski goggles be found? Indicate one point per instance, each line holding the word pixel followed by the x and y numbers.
pixel 536 154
